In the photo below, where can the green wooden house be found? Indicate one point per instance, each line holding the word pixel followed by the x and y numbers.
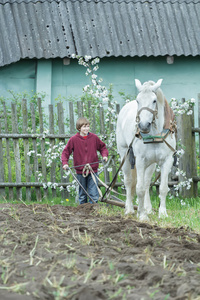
pixel 140 39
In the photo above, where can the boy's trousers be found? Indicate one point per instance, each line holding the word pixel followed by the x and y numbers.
pixel 90 186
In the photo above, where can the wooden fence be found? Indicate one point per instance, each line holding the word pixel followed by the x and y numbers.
pixel 189 134
pixel 23 129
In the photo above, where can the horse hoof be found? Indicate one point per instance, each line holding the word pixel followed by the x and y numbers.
pixel 143 217
pixel 149 211
pixel 129 212
pixel 163 214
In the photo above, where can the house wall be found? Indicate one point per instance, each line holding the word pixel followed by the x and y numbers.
pixel 59 81
pixel 18 77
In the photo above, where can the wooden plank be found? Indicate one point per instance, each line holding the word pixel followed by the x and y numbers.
pixel 197 130
pixel 199 125
pixel 16 149
pixel 188 160
pixel 61 125
pixel 114 160
pixel 196 178
pixel 61 129
pixel 101 119
pixel 80 109
pixel 2 190
pixel 194 186
pixel 38 184
pixel 42 144
pixel 114 171
pixel 71 118
pixel 34 142
pixel 102 132
pixel 111 126
pixel 52 143
pixel 91 117
pixel 26 147
pixel 33 136
pixel 8 159
pixel 117 108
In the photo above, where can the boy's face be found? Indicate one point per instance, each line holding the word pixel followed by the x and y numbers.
pixel 84 129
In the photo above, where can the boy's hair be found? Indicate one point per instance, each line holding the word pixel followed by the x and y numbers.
pixel 80 122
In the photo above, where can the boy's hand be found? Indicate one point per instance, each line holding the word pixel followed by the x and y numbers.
pixel 105 158
pixel 65 167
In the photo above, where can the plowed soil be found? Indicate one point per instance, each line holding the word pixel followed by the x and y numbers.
pixel 62 252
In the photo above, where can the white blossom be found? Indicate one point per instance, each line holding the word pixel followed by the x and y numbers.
pixel 94 76
pixel 189 112
pixel 30 152
pixel 86 88
pixel 87 58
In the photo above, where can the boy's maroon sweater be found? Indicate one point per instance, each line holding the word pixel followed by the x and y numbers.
pixel 84 151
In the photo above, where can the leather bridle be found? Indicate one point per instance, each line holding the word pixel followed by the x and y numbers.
pixel 154 112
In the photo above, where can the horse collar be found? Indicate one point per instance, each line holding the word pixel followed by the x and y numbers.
pixel 147 138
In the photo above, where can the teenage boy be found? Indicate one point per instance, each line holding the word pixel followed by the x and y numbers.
pixel 84 146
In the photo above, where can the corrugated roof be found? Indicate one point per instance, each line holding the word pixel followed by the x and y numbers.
pixel 53 28
pixel 97 1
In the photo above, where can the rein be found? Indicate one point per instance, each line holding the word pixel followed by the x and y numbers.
pixel 111 185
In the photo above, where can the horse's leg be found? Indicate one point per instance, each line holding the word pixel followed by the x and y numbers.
pixel 163 190
pixel 147 180
pixel 130 179
pixel 140 190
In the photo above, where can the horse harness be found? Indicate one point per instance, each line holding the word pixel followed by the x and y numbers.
pixel 147 138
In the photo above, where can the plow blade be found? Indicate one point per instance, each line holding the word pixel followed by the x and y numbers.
pixel 116 201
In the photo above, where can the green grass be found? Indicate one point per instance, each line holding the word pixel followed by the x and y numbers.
pixel 49 201
pixel 181 212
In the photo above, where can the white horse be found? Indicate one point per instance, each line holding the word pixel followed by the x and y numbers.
pixel 146 114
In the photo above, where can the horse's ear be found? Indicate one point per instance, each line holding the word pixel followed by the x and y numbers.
pixel 138 85
pixel 157 85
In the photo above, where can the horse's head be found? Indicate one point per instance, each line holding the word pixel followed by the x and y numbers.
pixel 147 104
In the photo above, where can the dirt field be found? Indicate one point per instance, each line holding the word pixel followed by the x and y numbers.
pixel 74 253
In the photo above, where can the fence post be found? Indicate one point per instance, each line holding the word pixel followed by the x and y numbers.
pixel 71 118
pixel 2 190
pixel 91 117
pixel 34 141
pixel 80 109
pixel 52 143
pixel 101 119
pixel 26 147
pixel 16 150
pixel 199 125
pixel 61 128
pixel 102 132
pixel 188 160
pixel 8 151
pixel 43 160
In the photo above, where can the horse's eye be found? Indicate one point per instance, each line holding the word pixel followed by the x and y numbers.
pixel 154 101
